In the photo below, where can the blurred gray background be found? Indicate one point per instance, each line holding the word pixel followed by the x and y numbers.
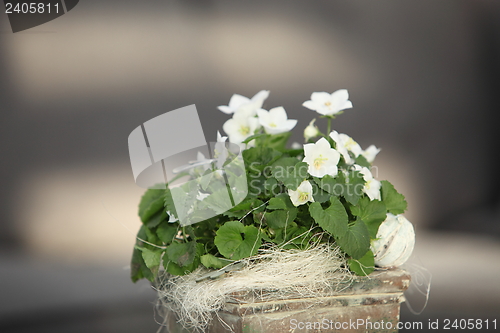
pixel 423 77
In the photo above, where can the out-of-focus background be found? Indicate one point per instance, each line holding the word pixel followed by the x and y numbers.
pixel 423 77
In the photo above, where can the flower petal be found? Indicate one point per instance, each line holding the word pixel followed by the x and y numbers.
pixel 237 100
pixel 226 109
pixel 260 97
pixel 320 97
pixel 310 105
pixel 278 114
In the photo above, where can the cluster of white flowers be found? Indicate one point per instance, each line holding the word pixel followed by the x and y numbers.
pixel 248 116
pixel 322 159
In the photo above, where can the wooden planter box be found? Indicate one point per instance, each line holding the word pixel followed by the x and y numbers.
pixel 370 304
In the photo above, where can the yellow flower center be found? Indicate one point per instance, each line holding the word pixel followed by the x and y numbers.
pixel 244 130
pixel 328 104
pixel 319 161
pixel 272 125
pixel 303 196
pixel 350 143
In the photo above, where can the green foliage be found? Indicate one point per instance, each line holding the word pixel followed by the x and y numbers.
pixel 211 261
pixel 340 213
pixel 236 241
pixel 364 265
pixel 166 232
pixel 151 203
pixel 350 188
pixel 151 258
pixel 290 172
pixel 373 213
pixel 182 254
pixel 333 220
pixel 172 265
pixel 394 201
pixel 356 241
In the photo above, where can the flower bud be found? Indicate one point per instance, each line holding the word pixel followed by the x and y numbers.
pixel 311 131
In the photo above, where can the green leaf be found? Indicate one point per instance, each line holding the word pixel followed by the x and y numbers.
pixel 152 258
pixel 244 207
pixel 394 201
pixel 277 203
pixel 167 231
pixel 151 203
pixel 271 186
pixel 151 237
pixel 257 158
pixel 182 254
pixel 175 269
pixel 280 218
pixel 361 161
pixel 297 237
pixel 356 241
pixel 253 137
pixel 363 266
pixel 281 201
pixel 156 219
pixel 334 186
pixel 290 175
pixel 373 213
pixel 186 193
pixel 211 261
pixel 139 270
pixel 236 241
pixel 275 141
pixel 353 187
pixel 169 203
pixel 319 195
pixel 334 219
pixel 218 201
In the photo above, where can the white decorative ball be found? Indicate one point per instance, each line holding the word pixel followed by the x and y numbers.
pixel 395 241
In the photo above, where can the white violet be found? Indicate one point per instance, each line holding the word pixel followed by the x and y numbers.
pixel 238 102
pixel 302 195
pixel 329 104
pixel 275 121
pixel 344 145
pixel 321 158
pixel 372 186
pixel 241 126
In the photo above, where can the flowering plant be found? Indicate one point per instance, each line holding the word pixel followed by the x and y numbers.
pixel 320 192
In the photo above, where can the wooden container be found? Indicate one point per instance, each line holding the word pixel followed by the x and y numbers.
pixel 369 304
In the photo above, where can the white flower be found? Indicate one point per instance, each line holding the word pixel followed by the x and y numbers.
pixel 372 186
pixel 370 153
pixel 395 241
pixel 302 195
pixel 241 126
pixel 238 102
pixel 329 104
pixel 321 158
pixel 344 145
pixel 311 131
pixel 275 121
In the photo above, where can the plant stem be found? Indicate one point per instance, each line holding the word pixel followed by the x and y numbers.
pixel 329 128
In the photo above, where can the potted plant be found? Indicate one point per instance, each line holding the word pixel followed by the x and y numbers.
pixel 266 238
